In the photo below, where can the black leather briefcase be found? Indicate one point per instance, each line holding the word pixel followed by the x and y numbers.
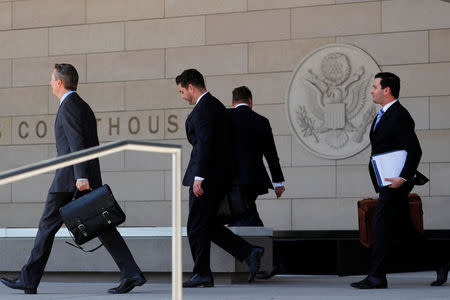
pixel 92 214
pixel 233 206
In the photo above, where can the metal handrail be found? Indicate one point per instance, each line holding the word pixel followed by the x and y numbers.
pixel 110 148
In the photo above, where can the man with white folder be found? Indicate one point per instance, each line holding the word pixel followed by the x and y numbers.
pixel 393 130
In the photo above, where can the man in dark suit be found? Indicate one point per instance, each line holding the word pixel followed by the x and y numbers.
pixel 75 129
pixel 208 175
pixel 393 129
pixel 252 139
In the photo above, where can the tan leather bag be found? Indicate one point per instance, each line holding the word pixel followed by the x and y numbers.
pixel 366 212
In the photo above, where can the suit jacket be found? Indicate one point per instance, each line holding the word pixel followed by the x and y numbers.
pixel 75 129
pixel 252 139
pixel 207 130
pixel 395 131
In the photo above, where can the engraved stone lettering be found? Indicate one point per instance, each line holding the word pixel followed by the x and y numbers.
pixel 116 125
pixel 41 129
pixel 150 127
pixel 149 124
pixel 133 122
pixel 21 133
pixel 172 120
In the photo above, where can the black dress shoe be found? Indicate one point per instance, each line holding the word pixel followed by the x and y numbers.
pixel 17 284
pixel 371 282
pixel 441 275
pixel 127 284
pixel 268 275
pixel 254 262
pixel 198 281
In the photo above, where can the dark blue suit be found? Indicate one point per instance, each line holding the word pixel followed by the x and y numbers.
pixel 252 139
pixel 75 129
pixel 207 130
pixel 395 131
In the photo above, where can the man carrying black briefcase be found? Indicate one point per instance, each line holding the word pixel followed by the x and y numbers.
pixel 75 129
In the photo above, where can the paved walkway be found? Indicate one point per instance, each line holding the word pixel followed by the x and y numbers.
pixel 401 286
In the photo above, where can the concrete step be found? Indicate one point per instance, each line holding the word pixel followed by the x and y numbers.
pixel 151 247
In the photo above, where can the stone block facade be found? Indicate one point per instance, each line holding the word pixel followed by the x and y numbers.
pixel 128 53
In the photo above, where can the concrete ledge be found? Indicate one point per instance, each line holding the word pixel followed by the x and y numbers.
pixel 151 247
pixel 135 231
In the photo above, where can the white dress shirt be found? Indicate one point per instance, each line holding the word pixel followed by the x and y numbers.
pixel 196 102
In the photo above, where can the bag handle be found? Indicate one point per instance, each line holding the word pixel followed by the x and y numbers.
pixel 76 191
pixel 79 247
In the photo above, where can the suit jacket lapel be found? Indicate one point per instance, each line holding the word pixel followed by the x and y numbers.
pixel 191 116
pixel 386 116
pixel 188 119
pixel 60 107
pixel 373 124
pixel 187 122
pixel 372 130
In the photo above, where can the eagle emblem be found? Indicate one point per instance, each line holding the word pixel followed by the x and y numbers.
pixel 329 103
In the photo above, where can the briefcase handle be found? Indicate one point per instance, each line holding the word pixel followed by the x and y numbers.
pixel 78 246
pixel 78 191
pixel 81 248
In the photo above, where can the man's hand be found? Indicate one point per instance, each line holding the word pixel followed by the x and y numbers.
pixel 279 191
pixel 82 184
pixel 396 182
pixel 197 188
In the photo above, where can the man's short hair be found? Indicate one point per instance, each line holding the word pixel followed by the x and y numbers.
pixel 242 94
pixel 390 80
pixel 68 75
pixel 191 76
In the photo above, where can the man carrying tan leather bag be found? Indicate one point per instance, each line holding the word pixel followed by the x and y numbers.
pixel 395 146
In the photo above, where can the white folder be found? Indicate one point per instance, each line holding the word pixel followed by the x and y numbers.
pixel 388 165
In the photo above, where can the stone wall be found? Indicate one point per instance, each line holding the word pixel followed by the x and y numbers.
pixel 128 52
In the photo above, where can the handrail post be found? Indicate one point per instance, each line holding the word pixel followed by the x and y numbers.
pixel 177 265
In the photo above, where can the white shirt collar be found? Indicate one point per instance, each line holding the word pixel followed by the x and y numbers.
pixel 241 104
pixel 198 100
pixel 385 108
pixel 65 96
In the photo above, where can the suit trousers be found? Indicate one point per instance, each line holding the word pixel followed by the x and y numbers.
pixel 203 228
pixel 392 215
pixel 49 225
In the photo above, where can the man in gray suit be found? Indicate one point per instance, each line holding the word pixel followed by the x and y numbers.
pixel 75 129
